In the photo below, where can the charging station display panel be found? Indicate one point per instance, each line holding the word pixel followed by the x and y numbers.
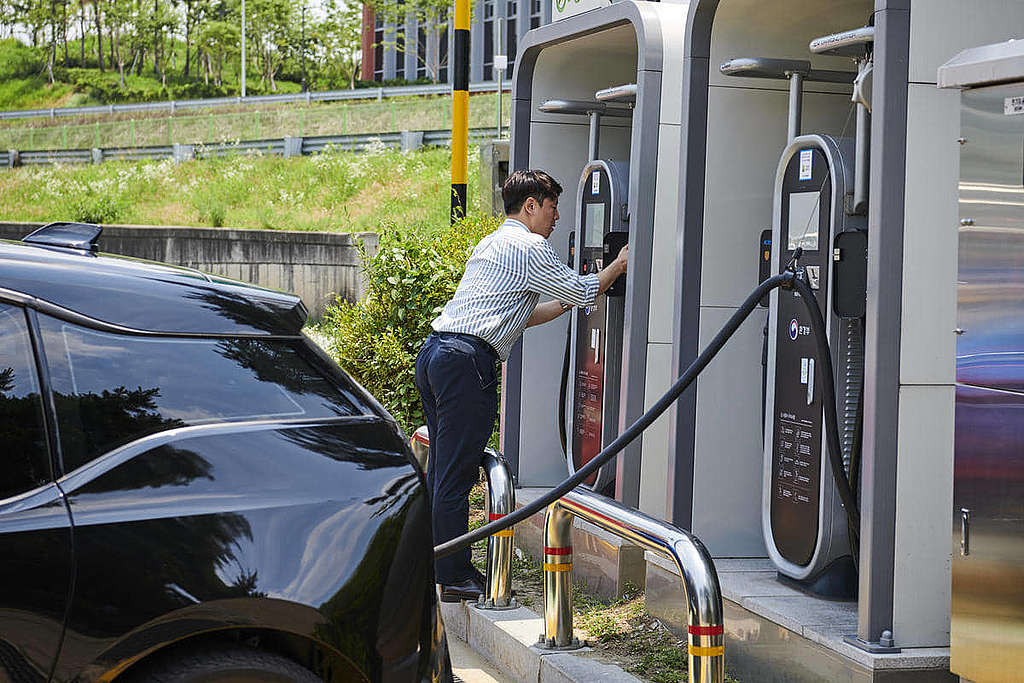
pixel 798 417
pixel 591 332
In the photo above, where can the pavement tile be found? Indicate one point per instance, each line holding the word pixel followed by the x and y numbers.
pixel 567 668
pixel 797 612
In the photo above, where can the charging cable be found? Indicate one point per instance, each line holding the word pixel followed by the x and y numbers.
pixel 794 278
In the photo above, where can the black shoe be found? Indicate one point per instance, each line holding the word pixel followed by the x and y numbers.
pixel 470 589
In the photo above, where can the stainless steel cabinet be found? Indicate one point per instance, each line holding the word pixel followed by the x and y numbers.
pixel 987 624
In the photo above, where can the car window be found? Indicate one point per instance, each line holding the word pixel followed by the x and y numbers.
pixel 110 389
pixel 24 463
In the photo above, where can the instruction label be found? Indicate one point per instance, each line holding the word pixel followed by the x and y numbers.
pixel 806 163
pixel 595 183
pixel 1013 105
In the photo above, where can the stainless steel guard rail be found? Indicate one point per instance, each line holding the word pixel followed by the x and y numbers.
pixel 705 631
pixel 501 500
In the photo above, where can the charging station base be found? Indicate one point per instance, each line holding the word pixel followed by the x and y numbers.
pixel 837 581
pixel 775 633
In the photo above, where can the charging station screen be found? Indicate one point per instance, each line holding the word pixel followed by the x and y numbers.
pixel 595 225
pixel 803 220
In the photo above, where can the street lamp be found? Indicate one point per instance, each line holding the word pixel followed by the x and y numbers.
pixel 243 48
pixel 303 47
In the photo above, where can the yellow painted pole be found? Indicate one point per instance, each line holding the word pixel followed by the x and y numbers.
pixel 460 109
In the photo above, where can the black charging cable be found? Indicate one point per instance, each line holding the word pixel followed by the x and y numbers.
pixel 791 278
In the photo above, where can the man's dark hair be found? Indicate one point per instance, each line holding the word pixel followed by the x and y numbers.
pixel 521 185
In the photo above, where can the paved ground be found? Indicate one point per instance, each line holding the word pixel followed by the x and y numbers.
pixel 470 667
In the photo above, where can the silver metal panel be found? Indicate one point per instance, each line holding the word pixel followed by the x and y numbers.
pixel 929 236
pixel 924 480
pixel 987 621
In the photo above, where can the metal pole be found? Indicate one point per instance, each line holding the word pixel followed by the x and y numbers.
pixel 243 48
pixel 796 88
pixel 501 501
pixel 460 110
pixel 304 47
pixel 705 629
pixel 499 26
pixel 558 579
pixel 863 161
pixel 595 134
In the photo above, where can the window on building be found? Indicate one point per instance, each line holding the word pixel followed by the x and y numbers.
pixel 534 13
pixel 488 40
pixel 400 53
pixel 400 42
pixel 511 37
pixel 442 47
pixel 421 50
pixel 378 49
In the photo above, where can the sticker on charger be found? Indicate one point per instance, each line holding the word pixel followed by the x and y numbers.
pixel 1013 105
pixel 595 183
pixel 806 164
pixel 810 381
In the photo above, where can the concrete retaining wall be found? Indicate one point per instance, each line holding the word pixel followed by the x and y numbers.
pixel 317 266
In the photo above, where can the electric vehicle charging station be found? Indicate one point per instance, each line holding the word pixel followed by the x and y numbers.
pixel 703 149
pixel 820 206
pixel 588 412
pixel 631 55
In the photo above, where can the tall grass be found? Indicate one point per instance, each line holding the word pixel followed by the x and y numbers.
pixel 333 191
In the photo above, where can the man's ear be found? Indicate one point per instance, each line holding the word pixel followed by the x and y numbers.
pixel 530 205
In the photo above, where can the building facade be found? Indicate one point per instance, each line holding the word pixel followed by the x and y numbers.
pixel 421 49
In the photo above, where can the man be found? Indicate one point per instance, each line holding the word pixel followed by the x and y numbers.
pixel 456 371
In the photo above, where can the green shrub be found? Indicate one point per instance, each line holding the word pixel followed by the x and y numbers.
pixel 18 60
pixel 408 282
pixel 95 207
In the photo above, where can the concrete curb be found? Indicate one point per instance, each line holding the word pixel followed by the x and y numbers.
pixel 507 638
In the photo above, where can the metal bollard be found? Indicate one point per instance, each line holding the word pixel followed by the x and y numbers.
pixel 705 631
pixel 501 500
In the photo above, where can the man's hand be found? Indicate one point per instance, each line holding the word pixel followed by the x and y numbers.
pixel 613 270
pixel 623 257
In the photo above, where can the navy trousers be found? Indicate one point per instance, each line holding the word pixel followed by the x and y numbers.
pixel 457 377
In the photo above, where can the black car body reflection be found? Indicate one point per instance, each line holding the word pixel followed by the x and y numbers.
pixel 183 469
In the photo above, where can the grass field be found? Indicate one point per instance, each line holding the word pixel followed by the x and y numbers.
pixel 335 191
pixel 149 129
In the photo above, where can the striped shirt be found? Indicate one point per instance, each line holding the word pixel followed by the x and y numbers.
pixel 505 276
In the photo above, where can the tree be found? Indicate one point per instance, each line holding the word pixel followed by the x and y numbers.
pixel 339 34
pixel 119 15
pixel 218 40
pixel 272 30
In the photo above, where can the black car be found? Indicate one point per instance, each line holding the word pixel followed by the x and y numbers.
pixel 191 490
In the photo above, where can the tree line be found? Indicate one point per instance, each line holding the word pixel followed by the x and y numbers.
pixel 316 43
